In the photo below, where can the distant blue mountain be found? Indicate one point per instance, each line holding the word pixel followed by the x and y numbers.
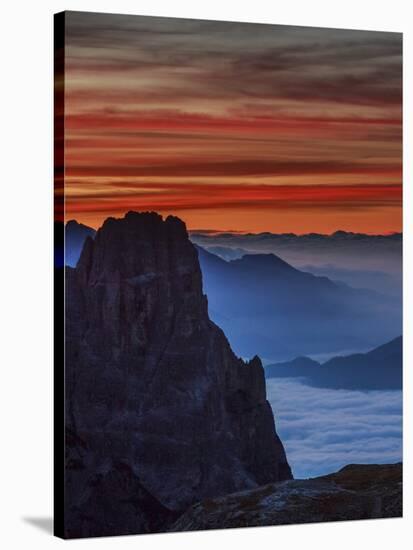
pixel 380 281
pixel 75 236
pixel 342 249
pixel 379 369
pixel 227 253
pixel 265 304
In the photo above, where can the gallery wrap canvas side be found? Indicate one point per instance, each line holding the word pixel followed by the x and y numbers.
pixel 58 280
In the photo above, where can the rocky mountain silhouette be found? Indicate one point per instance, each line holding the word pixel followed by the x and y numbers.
pixel 160 413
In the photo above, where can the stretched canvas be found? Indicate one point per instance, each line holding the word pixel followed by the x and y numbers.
pixel 228 274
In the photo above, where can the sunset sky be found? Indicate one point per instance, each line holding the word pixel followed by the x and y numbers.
pixel 233 126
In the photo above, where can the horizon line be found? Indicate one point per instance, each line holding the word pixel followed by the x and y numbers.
pixel 240 232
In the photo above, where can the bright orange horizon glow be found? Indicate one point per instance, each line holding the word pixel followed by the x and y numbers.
pixel 230 126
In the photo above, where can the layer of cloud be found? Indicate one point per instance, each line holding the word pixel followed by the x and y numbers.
pixel 225 60
pixel 204 100
pixel 163 196
pixel 323 430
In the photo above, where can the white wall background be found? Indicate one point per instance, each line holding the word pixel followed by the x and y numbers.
pixel 26 263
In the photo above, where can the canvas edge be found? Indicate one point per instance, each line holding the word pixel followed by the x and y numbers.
pixel 58 279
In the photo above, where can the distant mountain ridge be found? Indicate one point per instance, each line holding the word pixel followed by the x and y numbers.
pixel 264 303
pixel 231 245
pixel 378 369
pixel 380 281
pixel 339 234
pixel 343 249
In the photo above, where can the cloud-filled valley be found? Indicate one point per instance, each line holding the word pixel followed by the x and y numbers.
pixel 324 429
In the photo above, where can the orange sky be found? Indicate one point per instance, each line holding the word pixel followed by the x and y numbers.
pixel 232 126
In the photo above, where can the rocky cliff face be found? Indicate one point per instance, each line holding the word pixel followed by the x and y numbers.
pixel 160 413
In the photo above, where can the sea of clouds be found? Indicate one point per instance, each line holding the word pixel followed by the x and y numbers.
pixel 325 429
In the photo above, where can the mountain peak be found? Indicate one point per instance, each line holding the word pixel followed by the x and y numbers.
pixel 153 383
pixel 139 242
pixel 263 260
pixel 341 233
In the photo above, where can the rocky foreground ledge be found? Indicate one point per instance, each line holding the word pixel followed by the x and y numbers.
pixel 354 492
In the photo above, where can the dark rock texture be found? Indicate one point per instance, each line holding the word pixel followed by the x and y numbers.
pixel 160 413
pixel 355 492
